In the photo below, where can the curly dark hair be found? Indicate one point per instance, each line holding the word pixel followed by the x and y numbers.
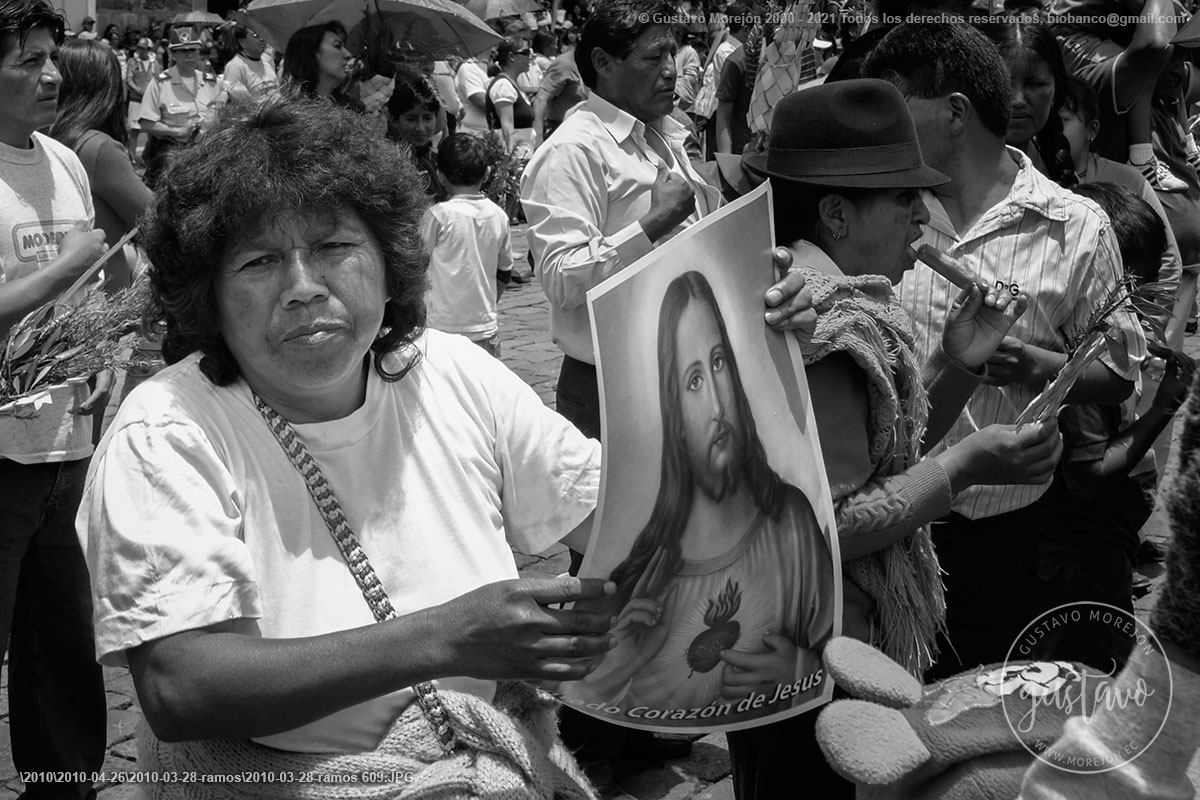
pixel 614 26
pixel 284 153
pixel 932 59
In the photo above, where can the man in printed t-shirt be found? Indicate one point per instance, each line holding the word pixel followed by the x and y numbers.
pixel 56 689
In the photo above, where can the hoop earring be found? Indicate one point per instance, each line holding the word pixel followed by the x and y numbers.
pixel 838 233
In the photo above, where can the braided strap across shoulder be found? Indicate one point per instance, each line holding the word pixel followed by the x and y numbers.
pixel 356 558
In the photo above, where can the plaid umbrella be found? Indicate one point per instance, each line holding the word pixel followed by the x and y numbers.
pixel 435 24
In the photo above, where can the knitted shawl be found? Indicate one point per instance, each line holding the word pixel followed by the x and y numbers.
pixel 858 316
pixel 507 750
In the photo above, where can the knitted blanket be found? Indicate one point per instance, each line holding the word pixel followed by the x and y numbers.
pixel 858 316
pixel 507 750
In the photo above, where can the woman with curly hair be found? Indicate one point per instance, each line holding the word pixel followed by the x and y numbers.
pixel 1039 82
pixel 303 398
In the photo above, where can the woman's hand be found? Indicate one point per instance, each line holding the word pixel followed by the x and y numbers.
pixel 978 322
pixel 640 631
pixel 789 304
pixel 1002 455
pixel 97 401
pixel 509 630
pixel 762 673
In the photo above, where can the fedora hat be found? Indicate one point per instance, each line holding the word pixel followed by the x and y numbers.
pixel 853 134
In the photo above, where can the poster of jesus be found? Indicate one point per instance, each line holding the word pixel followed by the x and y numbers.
pixel 715 521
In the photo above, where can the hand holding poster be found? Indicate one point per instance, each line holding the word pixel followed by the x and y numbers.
pixel 715 520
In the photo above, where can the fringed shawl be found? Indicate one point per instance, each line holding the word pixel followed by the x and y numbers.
pixel 859 317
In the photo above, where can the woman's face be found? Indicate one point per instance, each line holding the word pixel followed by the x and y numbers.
pixel 519 60
pixel 880 229
pixel 1032 98
pixel 416 125
pixel 300 299
pixel 1078 132
pixel 332 57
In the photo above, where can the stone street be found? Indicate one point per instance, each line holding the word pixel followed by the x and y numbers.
pixel 527 349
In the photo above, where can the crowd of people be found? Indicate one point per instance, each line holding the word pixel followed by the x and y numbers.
pixel 325 462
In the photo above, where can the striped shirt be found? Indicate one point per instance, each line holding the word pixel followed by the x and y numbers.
pixel 1060 250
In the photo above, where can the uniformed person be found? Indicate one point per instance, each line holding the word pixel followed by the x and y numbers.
pixel 179 101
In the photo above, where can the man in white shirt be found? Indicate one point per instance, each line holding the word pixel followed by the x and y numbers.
pixel 56 689
pixel 613 182
pixel 471 82
pixel 1012 226
pixel 88 29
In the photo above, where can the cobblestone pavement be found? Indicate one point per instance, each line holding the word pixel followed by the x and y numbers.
pixel 526 349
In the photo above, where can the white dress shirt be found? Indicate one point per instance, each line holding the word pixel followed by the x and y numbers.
pixel 1058 248
pixel 584 192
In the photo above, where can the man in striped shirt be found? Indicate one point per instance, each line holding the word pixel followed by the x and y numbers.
pixel 1017 229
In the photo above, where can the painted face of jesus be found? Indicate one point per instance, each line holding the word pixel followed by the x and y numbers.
pixel 707 402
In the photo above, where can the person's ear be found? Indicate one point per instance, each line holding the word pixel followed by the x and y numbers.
pixel 960 110
pixel 1093 128
pixel 487 175
pixel 602 61
pixel 833 215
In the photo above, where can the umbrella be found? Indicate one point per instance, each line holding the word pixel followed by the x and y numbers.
pixel 494 9
pixel 435 24
pixel 197 18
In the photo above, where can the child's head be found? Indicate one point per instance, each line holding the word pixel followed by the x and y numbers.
pixel 1141 233
pixel 1080 115
pixel 412 110
pixel 544 44
pixel 462 160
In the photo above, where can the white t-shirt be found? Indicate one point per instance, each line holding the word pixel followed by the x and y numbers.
pixel 249 79
pixel 468 240
pixel 471 79
pixel 503 91
pixel 44 191
pixel 194 515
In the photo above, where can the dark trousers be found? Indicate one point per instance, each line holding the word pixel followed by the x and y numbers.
pixel 991 568
pixel 57 706
pixel 577 398
pixel 783 759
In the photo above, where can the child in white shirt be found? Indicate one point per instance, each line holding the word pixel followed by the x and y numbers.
pixel 470 257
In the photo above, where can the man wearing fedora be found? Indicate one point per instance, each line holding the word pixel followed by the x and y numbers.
pixel 1010 225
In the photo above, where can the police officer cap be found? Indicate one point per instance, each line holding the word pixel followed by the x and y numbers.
pixel 183 37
